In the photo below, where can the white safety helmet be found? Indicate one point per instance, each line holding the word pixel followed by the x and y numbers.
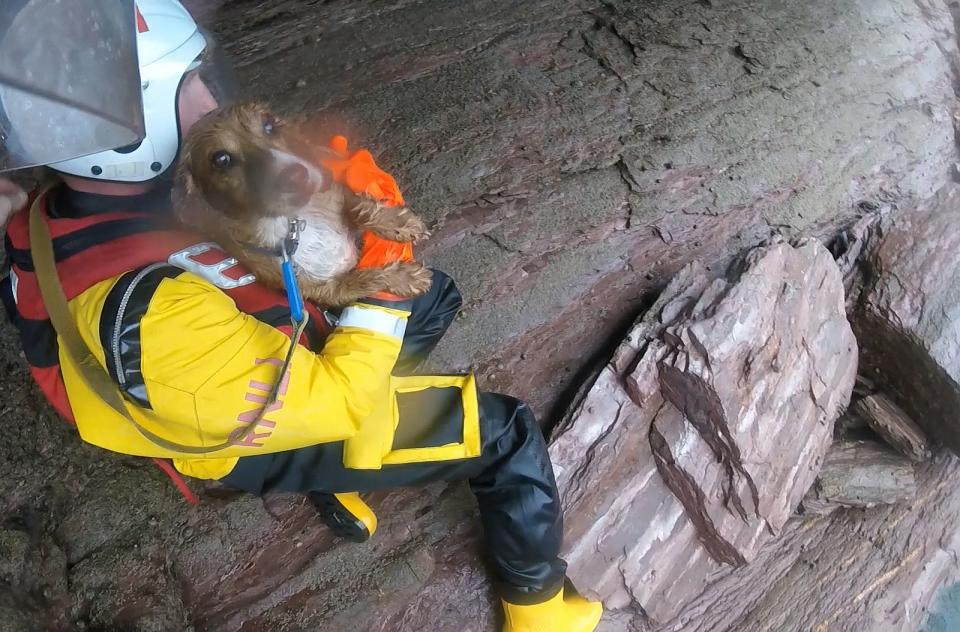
pixel 169 46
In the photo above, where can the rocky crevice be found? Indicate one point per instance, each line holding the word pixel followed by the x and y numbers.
pixel 691 496
pixel 700 406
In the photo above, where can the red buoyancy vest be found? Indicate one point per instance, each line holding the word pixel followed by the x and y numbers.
pixel 98 247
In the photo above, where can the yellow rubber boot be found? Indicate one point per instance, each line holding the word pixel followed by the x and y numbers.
pixel 346 514
pixel 565 612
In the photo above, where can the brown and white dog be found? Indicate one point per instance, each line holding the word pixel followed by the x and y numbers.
pixel 245 173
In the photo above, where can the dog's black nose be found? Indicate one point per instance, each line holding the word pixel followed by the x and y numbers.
pixel 294 178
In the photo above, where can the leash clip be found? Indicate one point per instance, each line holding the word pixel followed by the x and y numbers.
pixel 291 242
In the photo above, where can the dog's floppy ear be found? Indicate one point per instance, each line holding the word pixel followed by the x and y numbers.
pixel 183 176
pixel 188 203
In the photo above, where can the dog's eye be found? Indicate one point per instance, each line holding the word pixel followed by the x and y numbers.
pixel 269 125
pixel 222 160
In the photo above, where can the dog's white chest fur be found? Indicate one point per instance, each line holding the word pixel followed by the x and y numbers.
pixel 326 249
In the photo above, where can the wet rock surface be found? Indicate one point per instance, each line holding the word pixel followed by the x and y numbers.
pixel 860 474
pixel 704 447
pixel 572 157
pixel 850 571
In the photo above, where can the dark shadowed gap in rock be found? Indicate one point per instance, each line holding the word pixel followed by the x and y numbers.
pixel 903 328
pixel 583 378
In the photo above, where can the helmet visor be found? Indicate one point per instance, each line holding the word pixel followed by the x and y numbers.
pixel 69 80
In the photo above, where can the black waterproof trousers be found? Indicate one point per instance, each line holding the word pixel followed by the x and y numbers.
pixel 512 479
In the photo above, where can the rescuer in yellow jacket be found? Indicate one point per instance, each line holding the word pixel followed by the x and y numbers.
pixel 195 347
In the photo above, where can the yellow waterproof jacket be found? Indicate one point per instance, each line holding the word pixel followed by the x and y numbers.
pixel 207 369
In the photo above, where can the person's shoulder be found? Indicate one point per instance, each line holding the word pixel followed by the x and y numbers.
pixel 171 283
pixel 155 288
pixel 156 291
pixel 170 305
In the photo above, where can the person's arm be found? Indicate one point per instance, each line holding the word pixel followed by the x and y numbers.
pixel 205 364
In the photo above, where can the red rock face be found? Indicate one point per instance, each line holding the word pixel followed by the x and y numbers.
pixel 696 450
pixel 572 156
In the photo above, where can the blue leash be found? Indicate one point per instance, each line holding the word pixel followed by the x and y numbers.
pixel 287 249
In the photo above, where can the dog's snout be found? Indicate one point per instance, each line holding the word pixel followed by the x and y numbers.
pixel 294 178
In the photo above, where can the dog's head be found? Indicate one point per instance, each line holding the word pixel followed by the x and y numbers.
pixel 246 162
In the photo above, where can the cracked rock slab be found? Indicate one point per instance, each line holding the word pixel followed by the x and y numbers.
pixel 894 426
pixel 861 474
pixel 701 437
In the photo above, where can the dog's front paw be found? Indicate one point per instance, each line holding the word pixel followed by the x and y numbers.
pixel 403 226
pixel 408 280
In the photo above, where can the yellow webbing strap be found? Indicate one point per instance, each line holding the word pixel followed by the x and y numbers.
pixel 91 372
